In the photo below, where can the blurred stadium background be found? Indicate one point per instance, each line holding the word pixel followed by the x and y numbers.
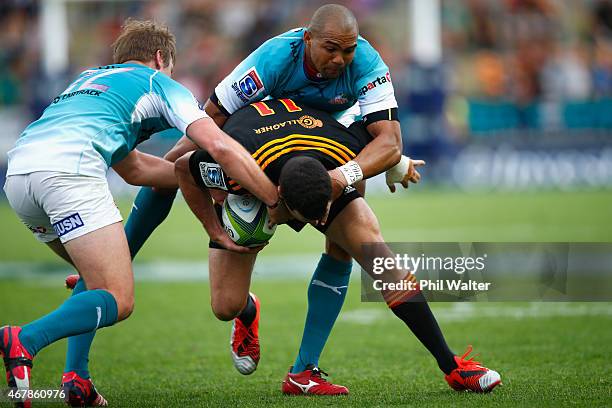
pixel 495 93
pixel 501 97
pixel 510 103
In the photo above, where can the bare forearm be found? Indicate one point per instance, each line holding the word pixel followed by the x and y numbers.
pixel 141 169
pixel 378 156
pixel 200 203
pixel 240 166
pixel 234 159
pixel 384 151
pixel 157 173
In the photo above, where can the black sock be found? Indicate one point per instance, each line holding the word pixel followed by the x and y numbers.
pixel 418 317
pixel 249 312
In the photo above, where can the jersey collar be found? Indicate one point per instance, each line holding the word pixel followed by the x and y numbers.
pixel 310 71
pixel 134 64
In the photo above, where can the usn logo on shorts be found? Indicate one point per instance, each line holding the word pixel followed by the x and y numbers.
pixel 68 224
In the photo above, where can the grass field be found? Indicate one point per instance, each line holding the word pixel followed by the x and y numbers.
pixel 415 216
pixel 173 353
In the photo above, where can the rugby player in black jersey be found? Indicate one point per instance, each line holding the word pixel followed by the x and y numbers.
pixel 296 146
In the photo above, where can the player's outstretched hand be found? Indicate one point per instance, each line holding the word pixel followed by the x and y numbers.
pixel 404 172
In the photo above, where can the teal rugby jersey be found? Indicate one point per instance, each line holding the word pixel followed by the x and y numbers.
pixel 100 118
pixel 276 69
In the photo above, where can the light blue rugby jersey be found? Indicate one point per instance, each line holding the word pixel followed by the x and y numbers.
pixel 276 69
pixel 100 118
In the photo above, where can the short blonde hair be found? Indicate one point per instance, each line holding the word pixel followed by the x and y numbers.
pixel 140 39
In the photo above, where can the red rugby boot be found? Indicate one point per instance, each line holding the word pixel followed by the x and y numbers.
pixel 17 362
pixel 80 392
pixel 471 376
pixel 310 382
pixel 245 343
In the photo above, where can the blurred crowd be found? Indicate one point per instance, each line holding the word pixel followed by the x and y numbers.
pixel 522 86
pixel 518 51
pixel 527 50
pixel 212 36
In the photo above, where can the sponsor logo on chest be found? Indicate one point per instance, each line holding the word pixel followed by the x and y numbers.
pixel 339 100
pixel 305 121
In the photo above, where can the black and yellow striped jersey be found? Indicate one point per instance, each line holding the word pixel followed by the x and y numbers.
pixel 274 131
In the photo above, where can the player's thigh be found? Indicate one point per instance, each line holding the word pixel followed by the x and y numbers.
pixel 86 220
pixel 230 280
pixel 355 225
pixel 336 251
pixel 57 247
pixel 103 260
pixel 333 249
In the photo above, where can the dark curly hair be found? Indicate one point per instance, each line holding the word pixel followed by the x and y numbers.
pixel 306 186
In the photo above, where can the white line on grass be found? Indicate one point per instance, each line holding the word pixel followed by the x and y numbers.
pixel 458 312
pixel 267 267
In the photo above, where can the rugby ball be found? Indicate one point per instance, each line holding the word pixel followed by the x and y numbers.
pixel 245 219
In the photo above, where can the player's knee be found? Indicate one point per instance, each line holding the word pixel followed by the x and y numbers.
pixel 226 309
pixel 336 252
pixel 181 165
pixel 225 313
pixel 125 305
pixel 173 155
pixel 183 146
pixel 125 311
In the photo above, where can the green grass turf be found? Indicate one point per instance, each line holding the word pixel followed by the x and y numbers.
pixel 415 216
pixel 173 353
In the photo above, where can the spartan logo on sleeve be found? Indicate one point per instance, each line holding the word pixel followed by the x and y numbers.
pixel 68 224
pixel 212 175
pixel 378 81
pixel 248 86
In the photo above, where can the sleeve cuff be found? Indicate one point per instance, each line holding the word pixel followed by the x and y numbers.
pixel 215 99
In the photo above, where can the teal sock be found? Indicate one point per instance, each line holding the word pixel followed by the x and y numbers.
pixel 79 314
pixel 326 294
pixel 149 210
pixel 77 356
